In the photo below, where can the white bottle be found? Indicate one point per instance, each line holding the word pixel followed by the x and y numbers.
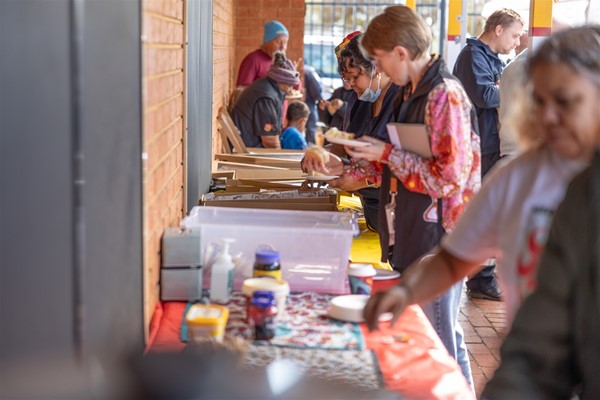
pixel 221 276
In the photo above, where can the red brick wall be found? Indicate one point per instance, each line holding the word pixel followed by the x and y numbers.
pixel 237 30
pixel 224 72
pixel 163 53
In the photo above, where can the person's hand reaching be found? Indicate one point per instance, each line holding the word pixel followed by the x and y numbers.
pixel 334 105
pixel 347 183
pixel 320 160
pixel 394 300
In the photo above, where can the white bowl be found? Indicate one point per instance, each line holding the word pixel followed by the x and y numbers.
pixel 348 308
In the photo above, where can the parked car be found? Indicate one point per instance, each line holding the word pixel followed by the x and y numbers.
pixel 319 52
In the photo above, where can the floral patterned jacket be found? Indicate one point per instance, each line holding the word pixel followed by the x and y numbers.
pixel 453 174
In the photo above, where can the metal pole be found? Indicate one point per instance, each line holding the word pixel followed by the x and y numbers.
pixel 443 26
pixel 463 25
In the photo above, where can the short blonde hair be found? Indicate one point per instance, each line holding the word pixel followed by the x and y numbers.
pixel 503 17
pixel 577 48
pixel 397 26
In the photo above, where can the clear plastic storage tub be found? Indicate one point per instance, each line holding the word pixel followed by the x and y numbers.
pixel 314 245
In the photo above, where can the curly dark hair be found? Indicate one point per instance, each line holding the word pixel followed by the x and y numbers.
pixel 355 58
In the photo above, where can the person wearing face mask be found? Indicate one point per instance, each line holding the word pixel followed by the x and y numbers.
pixel 369 110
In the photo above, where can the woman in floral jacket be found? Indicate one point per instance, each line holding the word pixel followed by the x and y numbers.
pixel 421 197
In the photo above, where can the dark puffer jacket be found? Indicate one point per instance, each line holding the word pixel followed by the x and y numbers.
pixel 479 69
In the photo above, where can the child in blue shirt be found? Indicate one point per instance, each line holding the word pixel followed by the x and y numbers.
pixel 292 137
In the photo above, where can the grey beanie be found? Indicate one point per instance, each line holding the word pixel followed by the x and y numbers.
pixel 283 70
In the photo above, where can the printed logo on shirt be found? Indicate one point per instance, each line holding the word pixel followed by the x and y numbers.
pixel 431 214
pixel 268 127
pixel 536 234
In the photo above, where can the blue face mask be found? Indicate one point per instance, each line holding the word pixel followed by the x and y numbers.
pixel 369 95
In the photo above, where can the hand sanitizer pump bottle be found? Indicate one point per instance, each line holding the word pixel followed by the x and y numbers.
pixel 221 276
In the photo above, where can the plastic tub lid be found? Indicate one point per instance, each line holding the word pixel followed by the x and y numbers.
pixel 349 308
pixel 266 256
pixel 277 286
pixel 356 269
pixel 207 315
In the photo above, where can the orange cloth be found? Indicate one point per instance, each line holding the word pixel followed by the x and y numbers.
pixel 419 368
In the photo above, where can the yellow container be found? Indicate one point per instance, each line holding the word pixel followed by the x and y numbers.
pixel 207 321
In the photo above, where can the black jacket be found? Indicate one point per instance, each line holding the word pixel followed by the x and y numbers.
pixel 479 70
pixel 415 237
pixel 258 111
pixel 360 121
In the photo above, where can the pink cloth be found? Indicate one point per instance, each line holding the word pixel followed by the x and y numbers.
pixel 254 66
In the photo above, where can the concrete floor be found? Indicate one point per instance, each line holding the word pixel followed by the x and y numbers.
pixel 484 324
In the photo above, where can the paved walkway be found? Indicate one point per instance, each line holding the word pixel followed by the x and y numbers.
pixel 484 323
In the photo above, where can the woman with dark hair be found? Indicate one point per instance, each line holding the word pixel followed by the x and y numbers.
pixel 368 112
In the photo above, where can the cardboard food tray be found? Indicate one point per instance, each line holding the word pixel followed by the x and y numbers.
pixel 284 199
pixel 273 205
pixel 268 161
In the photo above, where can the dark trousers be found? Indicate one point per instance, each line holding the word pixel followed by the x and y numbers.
pixel 484 278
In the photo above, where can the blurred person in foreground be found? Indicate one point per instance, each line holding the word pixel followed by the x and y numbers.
pixel 512 85
pixel 512 212
pixel 553 349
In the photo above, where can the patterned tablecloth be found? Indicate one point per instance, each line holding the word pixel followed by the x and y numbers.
pixel 322 347
pixel 304 324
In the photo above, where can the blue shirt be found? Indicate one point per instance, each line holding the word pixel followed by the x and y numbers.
pixel 292 139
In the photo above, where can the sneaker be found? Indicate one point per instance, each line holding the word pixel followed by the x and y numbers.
pixel 490 293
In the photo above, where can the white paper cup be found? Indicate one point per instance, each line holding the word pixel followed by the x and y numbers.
pixel 360 277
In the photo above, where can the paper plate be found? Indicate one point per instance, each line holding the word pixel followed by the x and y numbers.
pixel 320 177
pixel 347 142
pixel 349 308
pixel 384 274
